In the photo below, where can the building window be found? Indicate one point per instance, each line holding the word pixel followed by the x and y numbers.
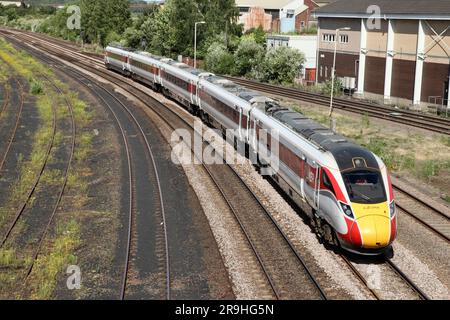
pixel 302 24
pixel 328 37
pixel 343 38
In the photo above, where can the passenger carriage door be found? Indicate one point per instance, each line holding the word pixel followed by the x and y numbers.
pixel 312 183
pixel 191 90
pixel 240 123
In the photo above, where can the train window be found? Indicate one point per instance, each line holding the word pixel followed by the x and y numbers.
pixel 365 186
pixel 327 182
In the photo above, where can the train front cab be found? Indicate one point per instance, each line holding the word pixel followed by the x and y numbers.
pixel 370 215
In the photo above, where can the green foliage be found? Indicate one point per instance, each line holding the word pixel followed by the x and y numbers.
pixel 132 38
pixel 248 56
pixel 281 65
pixel 56 25
pixel 326 88
pixel 169 30
pixel 36 88
pixel 258 34
pixel 102 17
pixel 219 59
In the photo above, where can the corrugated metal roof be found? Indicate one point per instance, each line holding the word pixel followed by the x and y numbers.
pixel 266 4
pixel 388 7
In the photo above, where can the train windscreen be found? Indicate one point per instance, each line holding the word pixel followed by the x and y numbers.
pixel 365 187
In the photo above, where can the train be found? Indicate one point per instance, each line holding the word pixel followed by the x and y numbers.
pixel 344 189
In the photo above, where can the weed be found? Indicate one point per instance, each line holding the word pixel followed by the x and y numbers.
pixel 36 88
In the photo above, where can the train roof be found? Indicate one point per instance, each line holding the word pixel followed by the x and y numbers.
pixel 120 47
pixel 348 155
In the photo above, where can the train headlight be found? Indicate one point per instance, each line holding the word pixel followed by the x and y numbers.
pixel 392 209
pixel 347 210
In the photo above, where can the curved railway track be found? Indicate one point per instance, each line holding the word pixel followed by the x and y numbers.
pixel 418 120
pixel 436 224
pixel 132 191
pixel 124 121
pixel 32 190
pixel 16 124
pixel 7 92
pixel 281 282
pixel 65 175
pixel 260 228
pixel 422 121
pixel 140 95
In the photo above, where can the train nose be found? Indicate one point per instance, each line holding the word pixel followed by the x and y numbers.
pixel 374 230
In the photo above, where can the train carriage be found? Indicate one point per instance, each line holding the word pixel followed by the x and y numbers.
pixel 343 188
pixel 146 68
pixel 117 58
pixel 222 108
pixel 179 83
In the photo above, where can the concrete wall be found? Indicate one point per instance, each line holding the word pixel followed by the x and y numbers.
pixel 329 26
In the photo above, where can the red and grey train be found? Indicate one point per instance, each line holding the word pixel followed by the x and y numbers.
pixel 343 188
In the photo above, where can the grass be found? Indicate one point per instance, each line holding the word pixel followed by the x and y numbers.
pixel 48 266
pixel 447 198
pixel 65 237
pixel 36 87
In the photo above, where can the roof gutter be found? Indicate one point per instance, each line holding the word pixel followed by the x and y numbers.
pixel 397 16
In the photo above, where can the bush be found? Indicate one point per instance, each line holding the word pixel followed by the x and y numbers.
pixel 36 88
pixel 219 60
pixel 326 89
pixel 248 56
pixel 281 65
pixel 258 34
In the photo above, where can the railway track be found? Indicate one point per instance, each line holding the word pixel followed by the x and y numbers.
pixel 133 198
pixel 13 131
pixel 124 84
pixel 437 222
pixel 273 259
pixel 418 120
pixel 65 176
pixel 32 190
pixel 422 121
pixel 7 92
pixel 283 266
pixel 377 293
pixel 424 213
pixel 130 127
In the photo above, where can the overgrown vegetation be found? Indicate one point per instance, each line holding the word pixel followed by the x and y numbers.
pixel 65 236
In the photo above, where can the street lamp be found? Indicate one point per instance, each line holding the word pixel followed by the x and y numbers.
pixel 195 43
pixel 333 72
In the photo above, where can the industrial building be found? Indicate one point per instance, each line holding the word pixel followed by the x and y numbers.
pixel 395 51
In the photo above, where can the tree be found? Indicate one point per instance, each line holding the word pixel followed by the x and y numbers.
pixel 170 30
pixel 282 65
pixel 101 17
pixel 218 59
pixel 248 56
